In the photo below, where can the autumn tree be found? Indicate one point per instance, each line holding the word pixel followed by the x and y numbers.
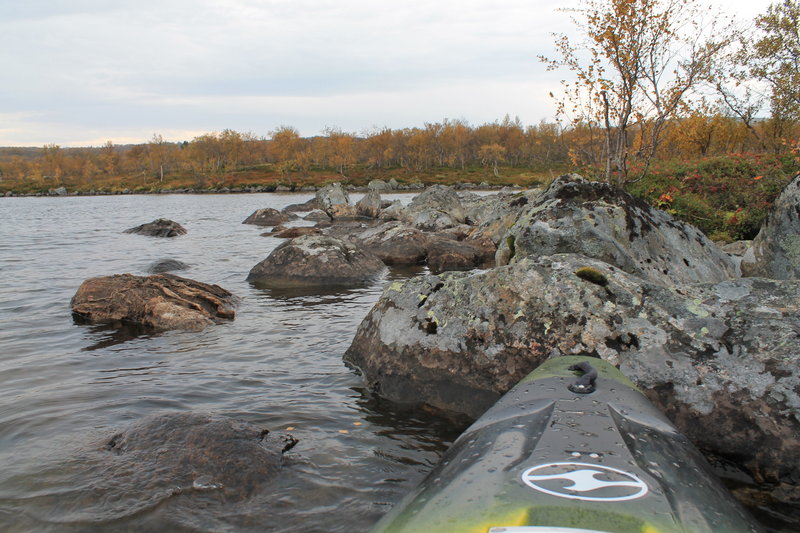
pixel 285 143
pixel 492 154
pixel 773 57
pixel 341 149
pixel 639 63
pixel 53 161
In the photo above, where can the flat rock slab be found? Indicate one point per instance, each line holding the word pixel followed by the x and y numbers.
pixel 160 301
pixel 161 227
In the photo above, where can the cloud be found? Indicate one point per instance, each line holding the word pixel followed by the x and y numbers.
pixel 80 69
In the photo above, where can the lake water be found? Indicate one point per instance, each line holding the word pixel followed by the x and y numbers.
pixel 66 387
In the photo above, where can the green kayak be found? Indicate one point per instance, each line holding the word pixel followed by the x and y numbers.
pixel 573 448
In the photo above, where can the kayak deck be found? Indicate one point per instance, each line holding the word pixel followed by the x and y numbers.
pixel 545 457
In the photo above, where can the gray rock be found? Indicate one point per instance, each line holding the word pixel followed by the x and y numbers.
pixel 392 212
pixel 437 208
pixel 310 205
pixel 775 252
pixel 370 205
pixel 493 214
pixel 316 261
pixel 161 227
pixel 269 217
pixel 395 243
pixel 720 359
pixel 160 301
pixel 317 215
pixel 331 195
pixel 594 219
pixel 737 248
pixel 379 185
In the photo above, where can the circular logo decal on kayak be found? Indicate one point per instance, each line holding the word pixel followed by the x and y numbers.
pixel 582 481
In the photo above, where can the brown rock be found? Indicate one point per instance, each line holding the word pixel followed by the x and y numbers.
pixel 161 301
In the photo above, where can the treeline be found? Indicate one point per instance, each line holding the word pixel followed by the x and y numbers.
pixel 448 144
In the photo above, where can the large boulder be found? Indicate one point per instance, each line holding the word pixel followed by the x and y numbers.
pixel 395 243
pixel 775 252
pixel 332 195
pixel 720 359
pixel 316 261
pixel 370 205
pixel 493 214
pixel 160 227
pixel 597 220
pixel 160 301
pixel 194 452
pixel 437 208
pixel 269 217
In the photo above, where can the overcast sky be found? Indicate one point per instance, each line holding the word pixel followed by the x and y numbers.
pixel 83 72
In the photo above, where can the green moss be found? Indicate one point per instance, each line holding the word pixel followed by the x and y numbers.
pixel 511 248
pixel 592 275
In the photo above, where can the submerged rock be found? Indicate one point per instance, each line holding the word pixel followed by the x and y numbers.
pixel 160 301
pixel 161 227
pixel 166 265
pixel 188 452
pixel 775 252
pixel 719 359
pixel 597 220
pixel 316 260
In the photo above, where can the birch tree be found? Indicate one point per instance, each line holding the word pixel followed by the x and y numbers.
pixel 637 65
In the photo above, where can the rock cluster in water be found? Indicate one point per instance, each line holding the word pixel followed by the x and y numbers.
pixel 586 269
pixel 580 268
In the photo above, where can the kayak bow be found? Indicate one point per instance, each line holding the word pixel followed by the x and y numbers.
pixel 553 456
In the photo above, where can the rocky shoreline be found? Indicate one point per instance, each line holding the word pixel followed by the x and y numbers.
pixel 518 277
pixel 389 187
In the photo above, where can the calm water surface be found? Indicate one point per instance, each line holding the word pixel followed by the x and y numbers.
pixel 67 387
